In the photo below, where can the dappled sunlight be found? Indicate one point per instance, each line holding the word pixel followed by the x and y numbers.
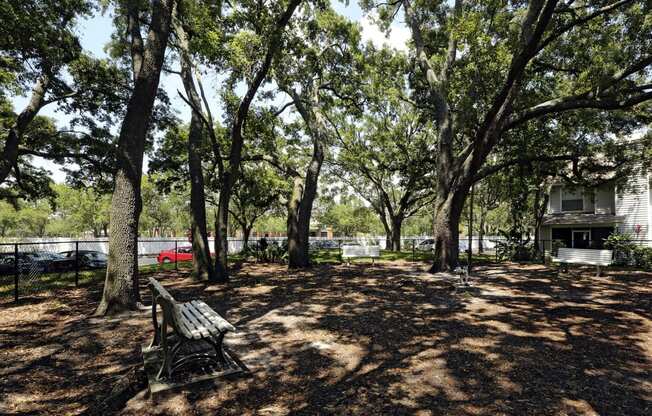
pixel 361 339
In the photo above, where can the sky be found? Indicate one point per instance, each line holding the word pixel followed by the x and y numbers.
pixel 94 33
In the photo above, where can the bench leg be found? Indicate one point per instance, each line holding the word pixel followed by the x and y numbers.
pixel 598 271
pixel 171 364
pixel 217 344
pixel 157 337
pixel 166 365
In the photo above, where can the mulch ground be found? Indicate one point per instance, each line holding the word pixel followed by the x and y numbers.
pixel 388 339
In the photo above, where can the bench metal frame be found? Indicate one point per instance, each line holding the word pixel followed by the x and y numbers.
pixel 185 323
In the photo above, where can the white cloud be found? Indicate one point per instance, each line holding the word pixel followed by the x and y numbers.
pixel 398 36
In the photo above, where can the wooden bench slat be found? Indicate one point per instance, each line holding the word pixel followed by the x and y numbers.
pixel 191 321
pixel 222 324
pixel 206 324
pixel 584 256
pixel 187 330
pixel 199 331
pixel 589 257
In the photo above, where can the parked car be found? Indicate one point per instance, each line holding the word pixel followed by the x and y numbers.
pixel 54 262
pixel 88 259
pixel 27 263
pixel 426 245
pixel 169 256
pixel 324 244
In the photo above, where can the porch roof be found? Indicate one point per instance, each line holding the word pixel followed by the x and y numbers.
pixel 580 218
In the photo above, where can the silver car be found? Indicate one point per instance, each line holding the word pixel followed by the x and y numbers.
pixel 426 245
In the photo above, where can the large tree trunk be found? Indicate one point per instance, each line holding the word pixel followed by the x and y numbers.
pixel 222 232
pixel 446 230
pixel 304 191
pixel 540 205
pixel 302 199
pixel 246 232
pixel 396 234
pixel 483 219
pixel 298 255
pixel 201 255
pixel 121 290
pixel 9 157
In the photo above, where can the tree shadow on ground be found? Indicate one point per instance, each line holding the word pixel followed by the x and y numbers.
pixel 363 339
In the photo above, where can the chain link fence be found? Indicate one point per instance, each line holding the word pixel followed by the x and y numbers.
pixel 36 266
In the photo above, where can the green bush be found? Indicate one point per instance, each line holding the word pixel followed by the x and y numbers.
pixel 514 248
pixel 623 248
pixel 556 245
pixel 643 257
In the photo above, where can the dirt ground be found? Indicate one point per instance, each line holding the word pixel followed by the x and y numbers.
pixel 388 339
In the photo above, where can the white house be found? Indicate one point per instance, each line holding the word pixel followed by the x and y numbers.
pixel 584 217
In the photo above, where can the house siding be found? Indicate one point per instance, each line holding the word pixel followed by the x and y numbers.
pixel 633 202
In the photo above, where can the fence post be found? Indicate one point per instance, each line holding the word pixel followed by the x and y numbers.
pixel 414 243
pixel 76 263
pixel 16 272
pixel 339 247
pixel 176 255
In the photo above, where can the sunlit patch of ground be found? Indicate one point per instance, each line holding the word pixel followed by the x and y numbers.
pixel 359 340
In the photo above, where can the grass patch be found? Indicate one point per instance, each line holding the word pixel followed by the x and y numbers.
pixel 53 281
pixel 29 284
pixel 332 256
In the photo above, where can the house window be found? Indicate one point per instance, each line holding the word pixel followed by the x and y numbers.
pixel 572 200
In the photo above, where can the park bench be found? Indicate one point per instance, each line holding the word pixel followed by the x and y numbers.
pixel 583 256
pixel 186 324
pixel 349 252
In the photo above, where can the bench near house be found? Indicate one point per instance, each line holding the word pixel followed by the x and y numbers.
pixel 584 217
pixel 354 251
pixel 583 256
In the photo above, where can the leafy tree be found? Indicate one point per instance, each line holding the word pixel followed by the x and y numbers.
pixel 33 218
pixel 275 222
pixel 251 33
pixel 34 59
pixel 350 217
pixel 80 211
pixel 256 193
pixel 8 218
pixel 121 288
pixel 50 67
pixel 387 156
pixel 485 70
pixel 319 73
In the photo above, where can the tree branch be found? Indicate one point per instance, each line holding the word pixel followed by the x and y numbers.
pixel 560 31
pixel 282 109
pixel 586 100
pixel 490 170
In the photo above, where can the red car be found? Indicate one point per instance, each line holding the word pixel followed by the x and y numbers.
pixel 169 256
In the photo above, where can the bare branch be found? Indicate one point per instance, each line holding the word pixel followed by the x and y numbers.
pixel 599 12
pixel 282 109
